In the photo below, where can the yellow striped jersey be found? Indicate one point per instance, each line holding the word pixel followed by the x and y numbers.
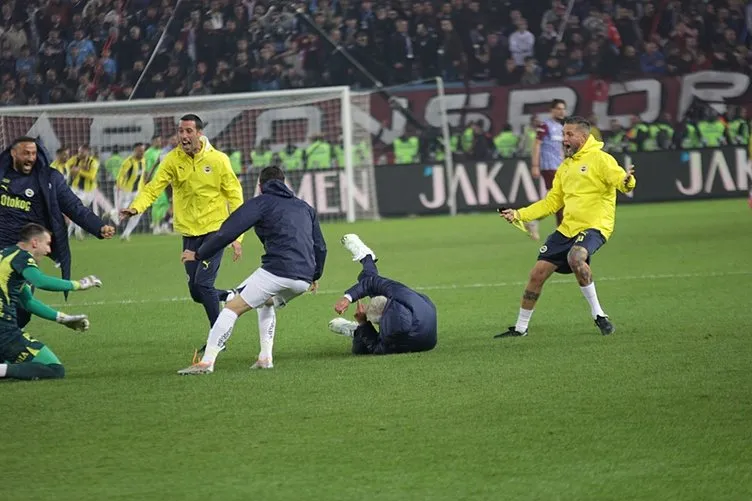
pixel 132 174
pixel 60 167
pixel 86 179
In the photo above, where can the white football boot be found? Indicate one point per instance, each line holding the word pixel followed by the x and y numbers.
pixel 197 369
pixel 356 247
pixel 343 327
pixel 263 363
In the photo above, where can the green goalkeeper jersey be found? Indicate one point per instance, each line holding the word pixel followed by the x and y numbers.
pixel 13 263
pixel 152 159
pixel 18 269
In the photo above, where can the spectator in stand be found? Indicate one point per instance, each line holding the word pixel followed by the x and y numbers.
pixel 531 73
pixel 652 61
pixel 109 42
pixel 522 43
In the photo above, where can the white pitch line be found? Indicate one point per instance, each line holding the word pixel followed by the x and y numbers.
pixel 666 276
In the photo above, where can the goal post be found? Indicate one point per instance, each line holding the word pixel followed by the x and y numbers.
pixel 447 145
pixel 334 167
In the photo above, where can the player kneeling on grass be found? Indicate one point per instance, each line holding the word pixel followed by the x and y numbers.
pixel 585 186
pixel 293 261
pixel 21 356
pixel 406 319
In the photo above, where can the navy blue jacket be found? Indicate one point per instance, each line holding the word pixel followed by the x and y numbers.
pixel 287 227
pixel 408 323
pixel 58 200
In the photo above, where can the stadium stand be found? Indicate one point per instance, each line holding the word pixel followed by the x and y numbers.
pixel 56 51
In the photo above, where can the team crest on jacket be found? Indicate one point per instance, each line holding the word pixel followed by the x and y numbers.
pixel 29 192
pixel 583 168
pixel 207 169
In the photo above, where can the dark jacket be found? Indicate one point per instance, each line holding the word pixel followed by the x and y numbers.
pixel 58 200
pixel 408 322
pixel 287 227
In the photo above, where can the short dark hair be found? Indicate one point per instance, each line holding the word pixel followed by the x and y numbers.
pixel 271 173
pixel 580 122
pixel 61 149
pixel 138 144
pixel 557 102
pixel 22 139
pixel 190 117
pixel 32 230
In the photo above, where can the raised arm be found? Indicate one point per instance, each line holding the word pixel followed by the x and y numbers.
pixel 35 277
pixel 371 286
pixel 617 177
pixel 153 188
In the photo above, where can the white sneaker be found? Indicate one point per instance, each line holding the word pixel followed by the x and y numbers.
pixel 356 247
pixel 197 369
pixel 343 327
pixel 263 363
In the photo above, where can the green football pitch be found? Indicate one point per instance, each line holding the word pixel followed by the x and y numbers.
pixel 660 410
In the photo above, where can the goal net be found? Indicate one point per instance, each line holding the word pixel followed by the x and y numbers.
pixel 310 133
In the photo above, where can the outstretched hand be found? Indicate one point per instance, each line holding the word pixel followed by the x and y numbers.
pixel 511 215
pixel 107 232
pixel 76 322
pixel 237 251
pixel 341 306
pixel 125 214
pixel 314 288
pixel 89 282
pixel 630 173
pixel 188 256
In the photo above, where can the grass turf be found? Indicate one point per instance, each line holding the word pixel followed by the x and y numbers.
pixel 660 410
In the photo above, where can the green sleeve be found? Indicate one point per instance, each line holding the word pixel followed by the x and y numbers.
pixel 35 277
pixel 35 306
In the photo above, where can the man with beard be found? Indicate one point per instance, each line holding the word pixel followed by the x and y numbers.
pixel 32 192
pixel 585 188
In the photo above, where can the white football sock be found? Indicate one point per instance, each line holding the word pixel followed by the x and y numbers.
pixel 267 322
pixel 3 370
pixel 592 297
pixel 219 334
pixel 523 319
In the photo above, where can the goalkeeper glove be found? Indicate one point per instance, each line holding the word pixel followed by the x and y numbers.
pixel 75 322
pixel 88 283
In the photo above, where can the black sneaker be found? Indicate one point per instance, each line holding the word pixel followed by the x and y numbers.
pixel 605 325
pixel 512 332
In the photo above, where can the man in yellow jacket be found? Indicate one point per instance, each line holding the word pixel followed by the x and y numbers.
pixel 585 186
pixel 205 192
pixel 82 171
pixel 131 179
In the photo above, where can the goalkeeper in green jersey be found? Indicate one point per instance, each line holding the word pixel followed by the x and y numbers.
pixel 21 356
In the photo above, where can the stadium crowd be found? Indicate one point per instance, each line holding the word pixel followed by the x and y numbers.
pixel 56 51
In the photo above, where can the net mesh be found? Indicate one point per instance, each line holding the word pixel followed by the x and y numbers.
pixel 236 124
